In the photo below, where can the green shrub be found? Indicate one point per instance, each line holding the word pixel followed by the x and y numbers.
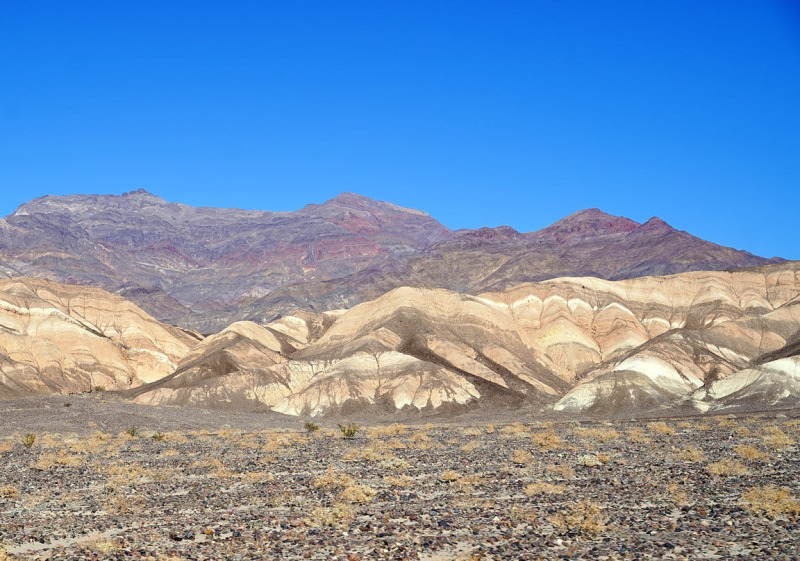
pixel 28 440
pixel 349 430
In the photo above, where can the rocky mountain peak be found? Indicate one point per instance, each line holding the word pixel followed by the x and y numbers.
pixel 655 223
pixel 355 201
pixel 591 222
pixel 498 233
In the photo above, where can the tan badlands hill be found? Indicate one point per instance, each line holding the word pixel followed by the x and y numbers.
pixel 57 338
pixel 696 341
pixel 693 341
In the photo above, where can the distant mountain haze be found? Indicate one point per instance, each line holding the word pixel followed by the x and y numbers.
pixel 204 268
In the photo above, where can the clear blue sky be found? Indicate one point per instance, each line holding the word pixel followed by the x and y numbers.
pixel 480 113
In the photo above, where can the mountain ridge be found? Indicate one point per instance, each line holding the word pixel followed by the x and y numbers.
pixel 204 267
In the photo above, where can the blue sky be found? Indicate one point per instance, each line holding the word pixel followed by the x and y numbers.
pixel 480 113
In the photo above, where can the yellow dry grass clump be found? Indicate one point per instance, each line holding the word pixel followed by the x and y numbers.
pixel 678 495
pixel 542 488
pixel 600 434
pixel 9 492
pixel 727 468
pixel 547 440
pixel 775 437
pixel 562 471
pixel 584 517
pixel 357 494
pixel 750 453
pixel 660 427
pixel 637 435
pixel 333 479
pixel 394 429
pixel 521 458
pixel 514 430
pixel 691 454
pixel 770 501
pixel 403 481
pixel 449 476
pixel 338 514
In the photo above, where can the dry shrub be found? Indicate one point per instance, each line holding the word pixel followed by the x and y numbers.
pixel 9 492
pixel 600 434
pixel 257 476
pixel 367 454
pixel 542 488
pixel 726 422
pixel 420 441
pixel 660 427
pixel 245 442
pixel 518 515
pixel 521 458
pixel 547 440
pixel 562 471
pixel 750 453
pixel 775 437
pixel 118 502
pixel 360 494
pixel 727 468
pixel 333 479
pixel 51 459
pixel 91 445
pixel 691 454
pixel 685 425
pixel 678 495
pixel 449 476
pixel 104 546
pixel 638 436
pixel 394 463
pixel 584 517
pixel 472 431
pixel 489 429
pixel 590 460
pixel 514 430
pixel 466 482
pixel 770 501
pixel 278 440
pixel 394 429
pixel 396 444
pixel 398 481
pixel 338 514
pixel 471 446
pixel 175 437
pixel 214 468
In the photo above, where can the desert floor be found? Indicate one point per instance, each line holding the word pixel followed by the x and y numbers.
pixel 101 479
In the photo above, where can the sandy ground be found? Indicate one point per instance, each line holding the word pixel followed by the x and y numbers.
pixel 103 479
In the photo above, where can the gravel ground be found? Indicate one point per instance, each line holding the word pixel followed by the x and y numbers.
pixel 194 484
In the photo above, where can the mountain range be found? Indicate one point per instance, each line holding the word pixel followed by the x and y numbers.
pixel 360 307
pixel 204 268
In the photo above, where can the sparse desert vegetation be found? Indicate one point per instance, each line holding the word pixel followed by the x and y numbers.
pixel 508 491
